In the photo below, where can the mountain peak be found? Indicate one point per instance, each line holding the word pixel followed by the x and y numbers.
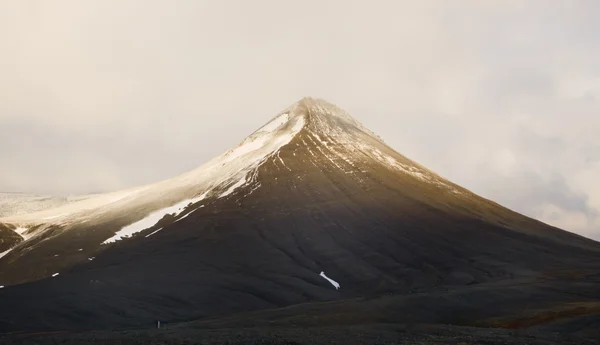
pixel 324 116
pixel 312 101
pixel 321 107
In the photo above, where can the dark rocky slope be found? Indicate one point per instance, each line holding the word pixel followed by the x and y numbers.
pixel 8 237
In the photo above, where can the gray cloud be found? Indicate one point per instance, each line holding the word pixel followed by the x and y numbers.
pixel 502 97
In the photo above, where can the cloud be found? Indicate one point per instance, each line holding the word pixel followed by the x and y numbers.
pixel 499 96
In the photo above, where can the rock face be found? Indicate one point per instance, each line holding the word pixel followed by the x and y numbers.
pixel 8 239
pixel 311 207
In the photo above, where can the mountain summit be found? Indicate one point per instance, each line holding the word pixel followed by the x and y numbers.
pixel 310 207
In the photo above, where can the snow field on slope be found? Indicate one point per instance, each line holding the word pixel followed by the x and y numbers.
pixel 152 219
pixel 233 187
pixel 21 232
pixel 12 204
pixel 276 123
pixel 234 165
pixel 5 252
pixel 249 155
pixel 245 153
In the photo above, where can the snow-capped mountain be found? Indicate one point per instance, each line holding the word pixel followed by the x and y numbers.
pixel 142 207
pixel 311 206
pixel 329 132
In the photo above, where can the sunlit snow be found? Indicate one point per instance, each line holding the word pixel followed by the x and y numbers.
pixel 4 253
pixel 276 123
pixel 233 187
pixel 222 176
pixel 187 215
pixel 333 282
pixel 55 275
pixel 21 232
pixel 247 147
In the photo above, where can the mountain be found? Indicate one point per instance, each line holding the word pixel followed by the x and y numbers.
pixel 19 203
pixel 311 208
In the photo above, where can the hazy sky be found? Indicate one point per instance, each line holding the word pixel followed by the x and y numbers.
pixel 502 97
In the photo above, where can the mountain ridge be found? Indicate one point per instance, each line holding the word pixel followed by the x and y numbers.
pixel 307 196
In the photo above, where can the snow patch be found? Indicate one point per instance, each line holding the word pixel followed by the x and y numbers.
pixel 276 123
pixel 333 282
pixel 233 187
pixel 21 231
pixel 187 215
pixel 154 232
pixel 4 253
pixel 55 275
pixel 202 197
pixel 297 127
pixel 247 146
pixel 282 162
pixel 151 220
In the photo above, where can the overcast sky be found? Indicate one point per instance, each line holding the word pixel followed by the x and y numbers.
pixel 502 97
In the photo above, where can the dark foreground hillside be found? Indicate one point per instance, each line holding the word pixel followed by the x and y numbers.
pixel 380 334
pixel 559 309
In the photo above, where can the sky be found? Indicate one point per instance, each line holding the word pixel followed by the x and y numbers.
pixel 501 97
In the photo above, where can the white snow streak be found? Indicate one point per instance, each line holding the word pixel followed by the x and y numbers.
pixel 323 153
pixel 297 127
pixel 55 275
pixel 154 232
pixel 282 162
pixel 21 232
pixel 252 190
pixel 203 196
pixel 247 147
pixel 187 215
pixel 151 220
pixel 233 187
pixel 333 282
pixel 5 252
